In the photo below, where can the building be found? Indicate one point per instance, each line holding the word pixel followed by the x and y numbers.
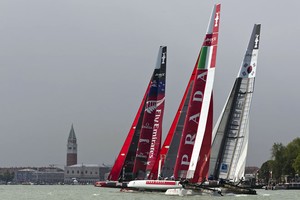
pixel 43 175
pixel 72 148
pixel 84 173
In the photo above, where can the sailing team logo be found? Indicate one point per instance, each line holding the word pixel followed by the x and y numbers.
pixel 217 19
pixel 152 105
pixel 163 58
pixel 256 41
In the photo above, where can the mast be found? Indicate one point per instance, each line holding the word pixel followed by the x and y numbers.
pixel 124 164
pixel 151 131
pixel 231 133
pixel 195 142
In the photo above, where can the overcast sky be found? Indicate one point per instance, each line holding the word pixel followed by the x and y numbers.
pixel 88 62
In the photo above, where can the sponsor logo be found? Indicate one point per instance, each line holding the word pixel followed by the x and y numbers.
pixel 144 140
pixel 154 133
pixel 224 167
pixel 256 41
pixel 160 75
pixel 217 19
pixel 152 105
pixel 210 39
pixel 157 182
pixel 250 55
pixel 147 126
pixel 163 58
pixel 154 84
pixel 141 155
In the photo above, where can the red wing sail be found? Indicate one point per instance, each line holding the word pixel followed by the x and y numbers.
pixel 151 107
pixel 150 138
pixel 193 150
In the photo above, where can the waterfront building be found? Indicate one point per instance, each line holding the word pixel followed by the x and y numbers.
pixel 84 173
pixel 44 175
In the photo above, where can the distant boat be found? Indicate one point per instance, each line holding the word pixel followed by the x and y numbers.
pixel 143 140
pixel 231 133
pixel 191 130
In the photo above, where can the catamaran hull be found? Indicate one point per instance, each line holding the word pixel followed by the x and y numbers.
pixel 154 185
pixel 182 192
pixel 111 184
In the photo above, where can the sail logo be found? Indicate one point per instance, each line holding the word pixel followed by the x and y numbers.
pixel 224 168
pixel 154 84
pixel 210 39
pixel 154 133
pixel 248 70
pixel 147 126
pixel 152 105
pixel 163 58
pixel 256 41
pixel 217 19
pixel 159 75
pixel 141 156
pixel 144 140
pixel 250 54
pixel 193 118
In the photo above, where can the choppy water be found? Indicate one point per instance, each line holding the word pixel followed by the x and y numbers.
pixel 78 192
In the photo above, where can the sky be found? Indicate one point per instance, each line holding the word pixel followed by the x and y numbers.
pixel 88 63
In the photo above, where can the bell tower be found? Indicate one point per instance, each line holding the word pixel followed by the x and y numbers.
pixel 72 148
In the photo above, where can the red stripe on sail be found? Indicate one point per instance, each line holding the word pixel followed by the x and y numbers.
pixel 213 57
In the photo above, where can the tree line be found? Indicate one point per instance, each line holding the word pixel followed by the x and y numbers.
pixel 7 177
pixel 284 163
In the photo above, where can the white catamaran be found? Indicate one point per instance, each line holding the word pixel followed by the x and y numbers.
pixel 231 133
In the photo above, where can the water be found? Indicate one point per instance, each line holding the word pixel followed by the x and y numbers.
pixel 78 192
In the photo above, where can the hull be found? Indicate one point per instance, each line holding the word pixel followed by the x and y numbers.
pixel 154 185
pixel 111 184
pixel 182 192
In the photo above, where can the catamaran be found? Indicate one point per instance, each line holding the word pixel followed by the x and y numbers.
pixel 143 140
pixel 231 133
pixel 191 129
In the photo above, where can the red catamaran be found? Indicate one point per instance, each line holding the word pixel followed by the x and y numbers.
pixel 191 130
pixel 143 141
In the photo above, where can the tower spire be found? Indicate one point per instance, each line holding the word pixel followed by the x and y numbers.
pixel 72 148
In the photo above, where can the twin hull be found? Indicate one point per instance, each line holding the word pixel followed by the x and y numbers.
pixel 159 185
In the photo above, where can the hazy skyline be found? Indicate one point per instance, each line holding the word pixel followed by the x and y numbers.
pixel 88 63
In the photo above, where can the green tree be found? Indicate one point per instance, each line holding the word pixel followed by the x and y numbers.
pixel 7 177
pixel 296 164
pixel 291 153
pixel 265 171
pixel 278 155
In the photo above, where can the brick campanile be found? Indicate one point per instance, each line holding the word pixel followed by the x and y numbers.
pixel 72 148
